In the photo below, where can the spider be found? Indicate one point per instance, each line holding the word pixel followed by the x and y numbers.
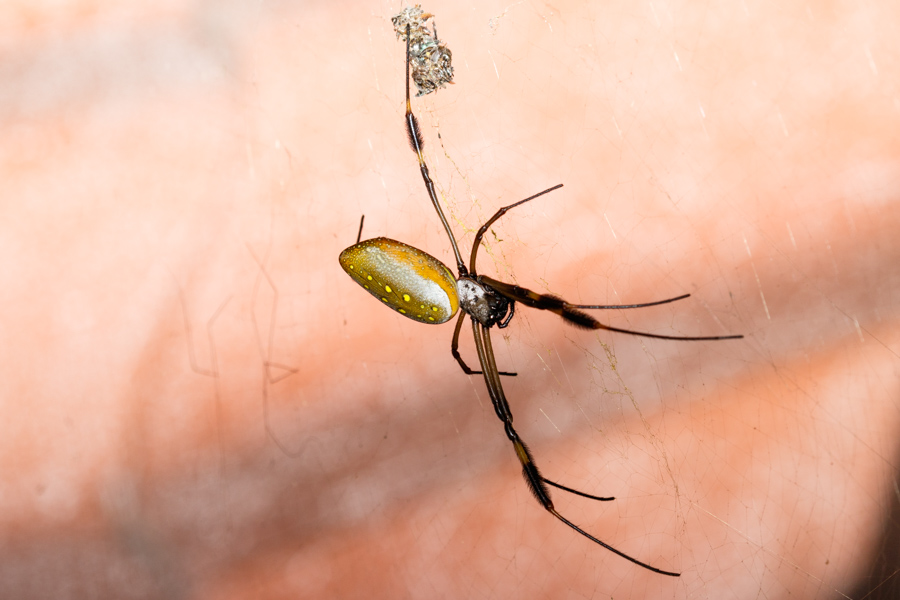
pixel 421 287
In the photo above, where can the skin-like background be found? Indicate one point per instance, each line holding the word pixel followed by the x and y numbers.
pixel 178 183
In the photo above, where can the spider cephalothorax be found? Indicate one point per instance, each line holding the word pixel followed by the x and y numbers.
pixel 483 303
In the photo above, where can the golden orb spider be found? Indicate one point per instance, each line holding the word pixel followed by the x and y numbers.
pixel 421 287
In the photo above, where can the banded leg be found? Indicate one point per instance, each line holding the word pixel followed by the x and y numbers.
pixel 418 143
pixel 537 483
pixel 572 314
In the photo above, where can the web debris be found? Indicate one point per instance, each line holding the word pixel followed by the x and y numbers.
pixel 430 59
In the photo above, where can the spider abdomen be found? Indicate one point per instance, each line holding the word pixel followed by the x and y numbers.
pixel 412 282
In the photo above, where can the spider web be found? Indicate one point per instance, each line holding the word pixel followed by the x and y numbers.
pixel 200 404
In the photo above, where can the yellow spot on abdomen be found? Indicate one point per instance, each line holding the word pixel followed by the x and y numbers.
pixel 406 297
pixel 388 289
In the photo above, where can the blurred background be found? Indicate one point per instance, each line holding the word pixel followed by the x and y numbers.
pixel 198 403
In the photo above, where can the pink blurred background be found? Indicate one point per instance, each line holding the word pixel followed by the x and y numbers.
pixel 198 403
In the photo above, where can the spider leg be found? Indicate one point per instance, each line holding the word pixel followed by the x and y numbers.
pixel 577 493
pixel 483 229
pixel 362 220
pixel 418 143
pixel 454 350
pixel 619 306
pixel 536 482
pixel 570 312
